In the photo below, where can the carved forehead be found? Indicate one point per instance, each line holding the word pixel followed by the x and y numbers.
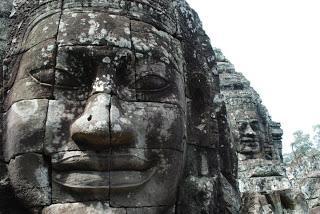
pixel 246 115
pixel 159 13
pixel 92 28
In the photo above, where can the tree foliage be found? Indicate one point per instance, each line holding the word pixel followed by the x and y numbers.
pixel 316 136
pixel 302 144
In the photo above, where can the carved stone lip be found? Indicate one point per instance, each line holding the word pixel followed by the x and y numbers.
pixel 248 140
pixel 90 171
pixel 83 181
pixel 90 161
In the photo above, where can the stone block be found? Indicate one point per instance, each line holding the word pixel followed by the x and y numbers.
pixel 61 114
pixel 80 186
pixel 29 177
pixel 198 194
pixel 25 127
pixel 80 176
pixel 110 5
pixel 311 188
pixel 151 210
pixel 201 161
pixel 39 58
pixel 97 28
pixel 160 14
pixel 46 28
pixel 27 89
pixel 147 125
pixel 145 179
pixel 232 199
pixel 83 208
pixel 159 81
pixel 264 184
pixel 260 168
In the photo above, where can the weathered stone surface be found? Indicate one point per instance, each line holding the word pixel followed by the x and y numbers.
pixel 304 174
pixel 4 186
pixel 80 186
pixel 315 210
pixel 43 30
pixel 311 189
pixel 230 195
pixel 201 180
pixel 131 120
pixel 97 28
pixel 151 210
pixel 29 177
pixel 133 115
pixel 61 114
pixel 262 178
pixel 25 128
pixel 260 168
pixel 150 187
pixel 264 184
pixel 274 202
pixel 198 194
pixel 83 208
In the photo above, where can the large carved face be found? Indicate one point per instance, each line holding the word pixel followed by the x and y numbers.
pixel 96 113
pixel 250 133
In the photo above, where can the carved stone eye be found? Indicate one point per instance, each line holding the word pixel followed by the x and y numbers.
pixel 242 125
pixel 254 125
pixel 43 76
pixel 151 83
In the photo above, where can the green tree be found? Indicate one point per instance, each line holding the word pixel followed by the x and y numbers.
pixel 316 136
pixel 301 144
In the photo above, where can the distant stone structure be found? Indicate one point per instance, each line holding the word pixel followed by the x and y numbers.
pixel 304 174
pixel 113 106
pixel 263 183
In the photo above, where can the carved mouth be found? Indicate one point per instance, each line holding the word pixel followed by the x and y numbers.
pixel 248 140
pixel 91 171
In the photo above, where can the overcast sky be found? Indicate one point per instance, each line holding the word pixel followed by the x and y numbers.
pixel 275 44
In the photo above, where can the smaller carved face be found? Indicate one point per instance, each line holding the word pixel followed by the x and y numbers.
pixel 250 132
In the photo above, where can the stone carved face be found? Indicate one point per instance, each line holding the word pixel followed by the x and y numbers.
pixel 99 111
pixel 251 133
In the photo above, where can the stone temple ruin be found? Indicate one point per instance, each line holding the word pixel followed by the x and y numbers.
pixel 123 106
pixel 262 177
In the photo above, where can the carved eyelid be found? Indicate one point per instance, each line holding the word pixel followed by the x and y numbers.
pixel 33 74
pixel 150 77
pixel 62 71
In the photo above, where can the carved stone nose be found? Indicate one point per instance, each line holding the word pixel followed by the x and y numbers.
pixel 249 131
pixel 91 129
